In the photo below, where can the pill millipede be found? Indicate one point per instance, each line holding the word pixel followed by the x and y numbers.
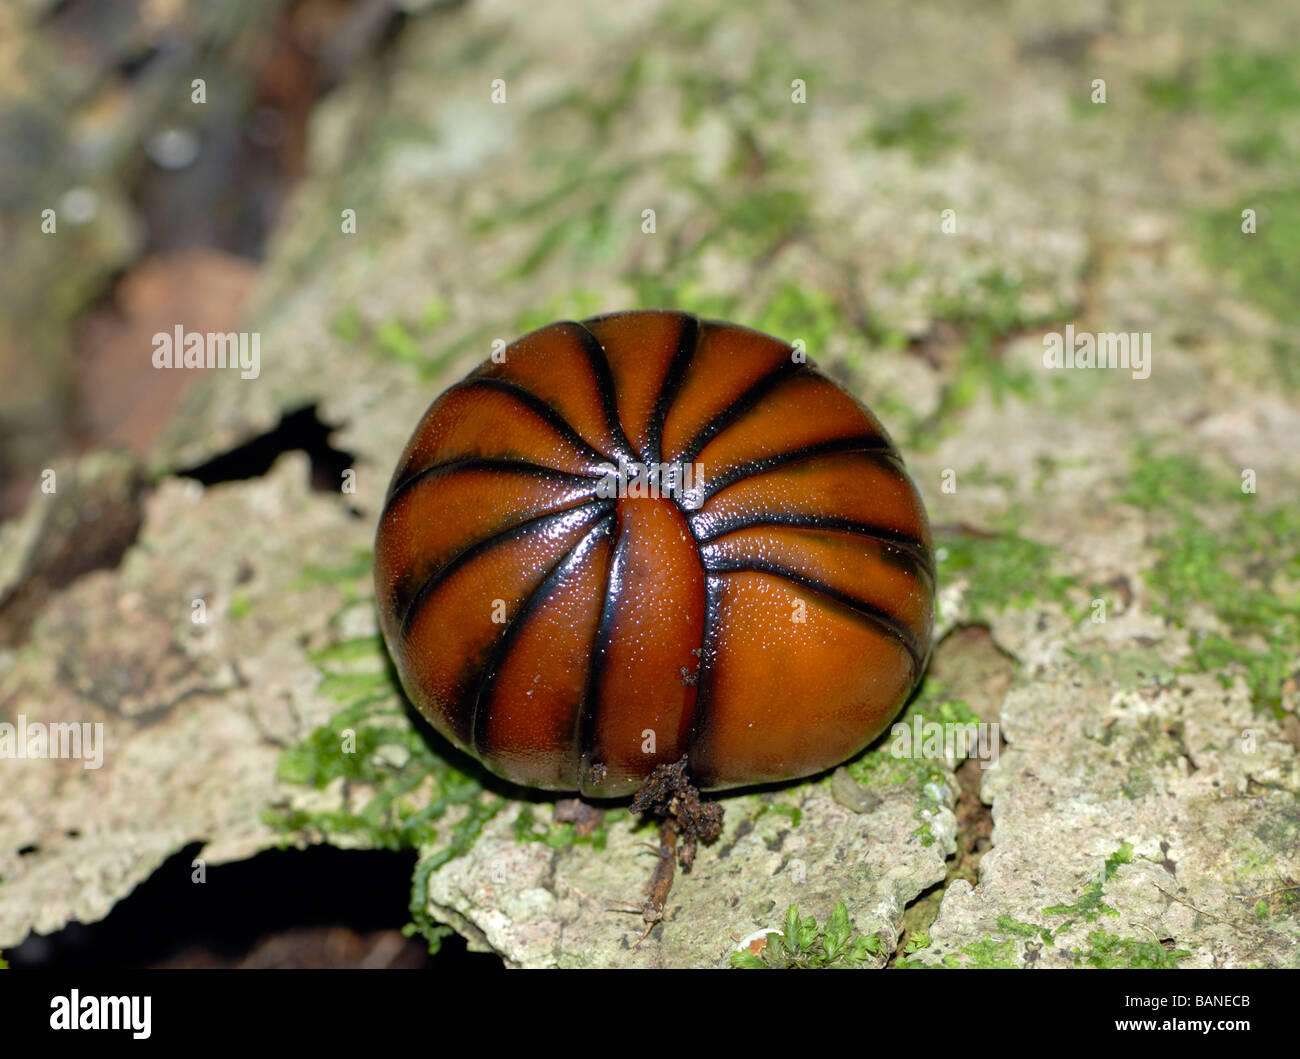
pixel 648 538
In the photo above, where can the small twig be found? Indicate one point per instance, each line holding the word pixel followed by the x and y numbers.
pixel 670 796
pixel 1201 911
pixel 1267 893
pixel 662 879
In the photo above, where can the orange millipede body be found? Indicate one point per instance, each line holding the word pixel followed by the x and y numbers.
pixel 647 536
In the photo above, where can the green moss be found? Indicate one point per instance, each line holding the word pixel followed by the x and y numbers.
pixel 749 222
pixel 1003 571
pixel 580 213
pixel 981 475
pixel 1149 742
pixel 587 228
pixel 932 799
pixel 794 813
pixel 949 711
pixel 1105 950
pixel 397 793
pixel 1137 785
pixel 654 290
pixel 583 217
pixel 359 565
pixel 1250 95
pixel 985 953
pixel 918 918
pixel 1265 265
pixel 756 101
pixel 576 304
pixel 564 835
pixel 1255 863
pixel 879 768
pixel 461 840
pixel 916 943
pixel 1090 906
pixel 1281 903
pixel 923 129
pixel 989 953
pixel 240 605
pixel 806 313
pixel 600 104
pixel 986 312
pixel 1008 925
pixel 573 188
pixel 803 944
pixel 361 649
pixel 1168 481
pixel 394 340
pixel 1110 950
pixel 408 341
pixel 479 341
pixel 398 789
pixel 758 221
pixel 435 313
pixel 1281 832
pixel 347 325
pixel 1245 572
pixel 1232 83
pixel 1127 666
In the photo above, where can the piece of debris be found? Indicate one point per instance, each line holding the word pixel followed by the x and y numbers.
pixel 584 816
pixel 669 795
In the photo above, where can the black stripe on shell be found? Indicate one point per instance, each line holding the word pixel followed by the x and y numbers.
pixel 688 341
pixel 507 535
pixel 487 675
pixel 881 534
pixel 877 616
